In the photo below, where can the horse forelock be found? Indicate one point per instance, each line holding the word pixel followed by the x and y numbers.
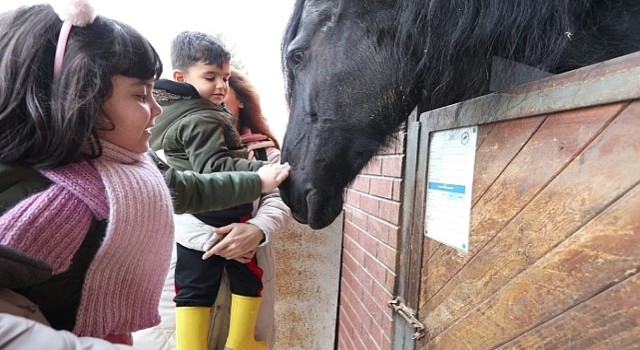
pixel 290 31
pixel 309 12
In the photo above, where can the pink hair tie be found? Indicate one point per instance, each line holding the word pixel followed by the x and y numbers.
pixel 77 13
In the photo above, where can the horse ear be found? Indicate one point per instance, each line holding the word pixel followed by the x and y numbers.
pixel 178 75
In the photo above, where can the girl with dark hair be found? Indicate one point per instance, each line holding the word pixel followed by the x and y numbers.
pixel 76 104
pixel 78 193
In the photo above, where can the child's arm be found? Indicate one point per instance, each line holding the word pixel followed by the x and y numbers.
pixel 22 333
pixel 193 192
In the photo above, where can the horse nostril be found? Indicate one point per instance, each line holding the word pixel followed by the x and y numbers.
pixel 314 117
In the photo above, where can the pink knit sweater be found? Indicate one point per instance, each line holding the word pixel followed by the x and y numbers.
pixel 124 280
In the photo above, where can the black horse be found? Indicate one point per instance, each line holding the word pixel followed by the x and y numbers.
pixel 356 68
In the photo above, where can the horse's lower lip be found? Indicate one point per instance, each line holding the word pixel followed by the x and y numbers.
pixel 297 203
pixel 310 206
pixel 298 218
pixel 322 210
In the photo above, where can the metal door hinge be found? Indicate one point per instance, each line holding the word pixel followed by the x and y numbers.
pixel 409 315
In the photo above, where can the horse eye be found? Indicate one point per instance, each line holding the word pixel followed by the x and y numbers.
pixel 296 57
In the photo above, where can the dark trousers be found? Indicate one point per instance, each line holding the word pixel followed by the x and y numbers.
pixel 198 281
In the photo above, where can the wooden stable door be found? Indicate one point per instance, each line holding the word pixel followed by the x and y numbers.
pixel 554 239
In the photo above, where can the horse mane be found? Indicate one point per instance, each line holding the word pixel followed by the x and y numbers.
pixel 455 40
pixel 447 46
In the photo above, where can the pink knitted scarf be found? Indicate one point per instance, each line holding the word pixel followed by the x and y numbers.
pixel 124 281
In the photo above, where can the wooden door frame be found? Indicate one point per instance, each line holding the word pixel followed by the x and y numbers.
pixel 606 82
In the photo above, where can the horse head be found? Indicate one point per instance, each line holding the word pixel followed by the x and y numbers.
pixel 355 69
pixel 339 117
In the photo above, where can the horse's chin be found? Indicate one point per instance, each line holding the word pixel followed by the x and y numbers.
pixel 315 206
pixel 322 209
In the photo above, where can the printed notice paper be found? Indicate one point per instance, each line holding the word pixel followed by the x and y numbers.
pixel 452 155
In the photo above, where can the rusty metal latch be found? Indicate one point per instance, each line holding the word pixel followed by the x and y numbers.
pixel 409 315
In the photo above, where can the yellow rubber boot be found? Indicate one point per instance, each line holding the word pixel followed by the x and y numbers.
pixel 244 313
pixel 192 327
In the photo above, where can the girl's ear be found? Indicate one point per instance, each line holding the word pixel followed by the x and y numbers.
pixel 178 75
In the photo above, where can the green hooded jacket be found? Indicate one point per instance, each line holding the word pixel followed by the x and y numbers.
pixel 195 134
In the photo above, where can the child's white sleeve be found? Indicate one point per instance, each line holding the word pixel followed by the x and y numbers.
pixel 18 333
pixel 194 234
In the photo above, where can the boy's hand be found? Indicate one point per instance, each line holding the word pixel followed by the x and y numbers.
pixel 272 175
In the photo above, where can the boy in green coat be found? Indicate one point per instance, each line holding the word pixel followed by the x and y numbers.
pixel 196 133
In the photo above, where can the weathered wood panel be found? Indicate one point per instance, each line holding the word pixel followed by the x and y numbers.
pixel 557 140
pixel 602 253
pixel 568 173
pixel 613 318
pixel 496 150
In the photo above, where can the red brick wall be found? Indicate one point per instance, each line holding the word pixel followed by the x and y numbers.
pixel 371 228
